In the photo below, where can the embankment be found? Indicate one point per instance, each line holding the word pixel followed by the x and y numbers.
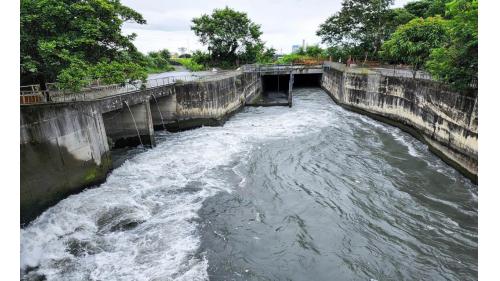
pixel 444 119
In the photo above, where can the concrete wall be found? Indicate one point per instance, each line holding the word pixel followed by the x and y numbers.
pixel 63 150
pixel 130 126
pixel 446 120
pixel 65 146
pixel 193 104
pixel 163 108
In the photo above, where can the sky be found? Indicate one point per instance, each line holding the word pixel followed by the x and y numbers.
pixel 284 23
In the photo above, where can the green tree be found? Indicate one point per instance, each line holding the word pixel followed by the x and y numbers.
pixel 413 42
pixel 266 55
pixel 65 39
pixel 256 53
pixel 456 62
pixel 427 8
pixel 228 34
pixel 338 53
pixel 300 51
pixel 202 58
pixel 314 51
pixel 189 63
pixel 360 24
pixel 159 61
pixel 397 17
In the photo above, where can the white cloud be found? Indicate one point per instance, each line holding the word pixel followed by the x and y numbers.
pixel 284 22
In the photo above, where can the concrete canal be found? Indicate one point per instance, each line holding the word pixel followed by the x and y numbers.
pixel 311 192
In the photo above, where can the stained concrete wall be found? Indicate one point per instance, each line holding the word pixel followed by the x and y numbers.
pixel 446 120
pixel 130 126
pixel 163 108
pixel 65 146
pixel 193 104
pixel 63 150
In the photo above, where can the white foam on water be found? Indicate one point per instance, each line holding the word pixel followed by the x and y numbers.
pixel 411 144
pixel 406 142
pixel 141 224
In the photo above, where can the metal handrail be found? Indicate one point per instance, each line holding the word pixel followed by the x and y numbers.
pixel 100 91
pixel 96 90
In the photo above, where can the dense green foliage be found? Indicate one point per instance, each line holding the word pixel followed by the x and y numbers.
pixel 438 35
pixel 314 51
pixel 189 63
pixel 308 55
pixel 158 61
pixel 75 42
pixel 456 61
pixel 78 75
pixel 231 39
pixel 201 58
pixel 290 58
pixel 427 8
pixel 412 42
pixel 360 25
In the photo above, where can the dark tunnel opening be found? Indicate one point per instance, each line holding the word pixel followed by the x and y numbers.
pixel 307 80
pixel 279 83
pixel 275 88
pixel 275 83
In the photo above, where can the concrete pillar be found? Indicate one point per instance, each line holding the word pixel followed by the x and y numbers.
pixel 130 126
pixel 149 138
pixel 290 88
pixel 163 111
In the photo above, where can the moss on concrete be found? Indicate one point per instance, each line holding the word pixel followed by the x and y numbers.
pixel 43 188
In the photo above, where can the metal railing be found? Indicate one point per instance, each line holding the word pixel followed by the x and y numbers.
pixel 55 93
pixel 32 94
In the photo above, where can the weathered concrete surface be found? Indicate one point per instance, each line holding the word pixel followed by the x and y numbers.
pixel 163 110
pixel 65 145
pixel 130 126
pixel 287 69
pixel 203 103
pixel 63 150
pixel 444 119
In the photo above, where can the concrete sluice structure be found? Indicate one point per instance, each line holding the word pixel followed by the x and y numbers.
pixel 65 146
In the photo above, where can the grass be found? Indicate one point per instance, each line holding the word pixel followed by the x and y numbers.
pixel 296 58
pixel 190 64
pixel 153 70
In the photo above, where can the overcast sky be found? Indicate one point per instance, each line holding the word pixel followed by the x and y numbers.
pixel 283 22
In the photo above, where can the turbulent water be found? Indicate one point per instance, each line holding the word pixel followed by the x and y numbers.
pixel 312 192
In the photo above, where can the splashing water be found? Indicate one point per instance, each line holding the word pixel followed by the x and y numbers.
pixel 144 222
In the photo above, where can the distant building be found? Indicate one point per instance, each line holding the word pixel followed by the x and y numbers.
pixel 295 48
pixel 182 50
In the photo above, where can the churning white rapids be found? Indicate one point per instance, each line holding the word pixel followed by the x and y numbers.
pixel 143 223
